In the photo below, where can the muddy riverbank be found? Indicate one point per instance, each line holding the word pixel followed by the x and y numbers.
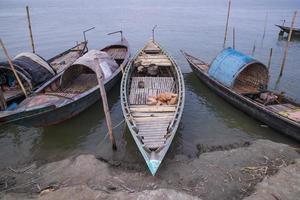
pixel 227 174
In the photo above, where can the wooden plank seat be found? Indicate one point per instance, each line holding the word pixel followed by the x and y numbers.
pixel 158 59
pixel 151 109
pixel 151 48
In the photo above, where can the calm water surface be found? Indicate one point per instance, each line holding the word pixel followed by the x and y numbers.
pixel 196 26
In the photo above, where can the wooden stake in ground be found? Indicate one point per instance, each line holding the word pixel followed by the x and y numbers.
pixel 233 38
pixel 287 44
pixel 30 30
pixel 270 58
pixel 13 68
pixel 100 78
pixel 226 28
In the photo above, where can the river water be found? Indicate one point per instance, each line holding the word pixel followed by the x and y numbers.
pixel 196 26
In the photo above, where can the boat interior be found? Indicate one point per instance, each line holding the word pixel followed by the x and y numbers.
pixel 71 85
pixel 153 74
pixel 10 86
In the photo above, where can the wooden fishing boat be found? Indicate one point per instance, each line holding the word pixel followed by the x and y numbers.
pixel 73 90
pixel 151 73
pixel 286 29
pixel 243 82
pixel 33 71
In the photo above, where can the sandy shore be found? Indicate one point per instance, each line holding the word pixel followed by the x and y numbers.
pixel 258 170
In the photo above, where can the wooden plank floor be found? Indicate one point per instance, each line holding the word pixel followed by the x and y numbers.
pixel 152 87
pixel 152 123
pixel 287 110
pixel 117 53
pixel 61 63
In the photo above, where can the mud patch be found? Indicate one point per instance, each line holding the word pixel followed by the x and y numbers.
pixel 203 148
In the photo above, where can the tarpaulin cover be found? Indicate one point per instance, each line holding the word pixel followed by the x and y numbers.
pixel 226 67
pixel 31 68
pixel 87 61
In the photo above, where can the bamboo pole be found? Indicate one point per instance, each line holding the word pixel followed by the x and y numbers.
pixel 270 58
pixel 30 30
pixel 13 68
pixel 265 26
pixel 287 44
pixel 233 38
pixel 100 78
pixel 2 101
pixel 253 49
pixel 226 28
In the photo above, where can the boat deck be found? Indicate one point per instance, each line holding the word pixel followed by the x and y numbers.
pixel 287 110
pixel 64 61
pixel 152 86
pixel 198 63
pixel 117 53
pixel 152 123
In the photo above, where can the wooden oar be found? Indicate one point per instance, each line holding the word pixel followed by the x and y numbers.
pixel 13 68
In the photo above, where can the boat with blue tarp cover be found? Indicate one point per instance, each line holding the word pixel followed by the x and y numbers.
pixel 243 81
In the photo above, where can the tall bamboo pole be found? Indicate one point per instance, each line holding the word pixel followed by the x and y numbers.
pixel 270 58
pixel 226 28
pixel 287 44
pixel 13 68
pixel 100 78
pixel 30 30
pixel 253 49
pixel 265 26
pixel 233 38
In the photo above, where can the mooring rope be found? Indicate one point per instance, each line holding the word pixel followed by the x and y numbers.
pixel 104 138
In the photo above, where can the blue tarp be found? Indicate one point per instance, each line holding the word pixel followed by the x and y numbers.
pixel 226 67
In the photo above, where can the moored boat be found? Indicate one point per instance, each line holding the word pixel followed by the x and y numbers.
pixel 72 91
pixel 243 82
pixel 152 99
pixel 33 71
pixel 286 29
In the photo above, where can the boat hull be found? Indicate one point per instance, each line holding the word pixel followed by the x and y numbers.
pixel 55 115
pixel 144 130
pixel 251 108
